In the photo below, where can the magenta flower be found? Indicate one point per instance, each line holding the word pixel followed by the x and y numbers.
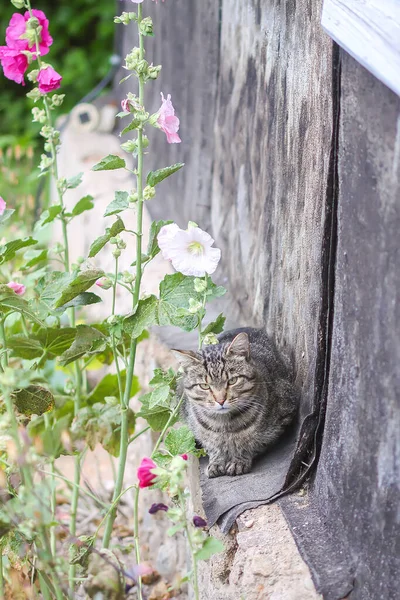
pixel 199 521
pixel 18 288
pixel 3 206
pixel 14 64
pixel 184 456
pixel 167 120
pixel 48 80
pixel 17 28
pixel 156 507
pixel 144 473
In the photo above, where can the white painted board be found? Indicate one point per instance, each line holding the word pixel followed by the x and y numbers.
pixel 370 31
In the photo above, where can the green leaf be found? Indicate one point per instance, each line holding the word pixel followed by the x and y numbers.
pixel 49 286
pixel 7 252
pixel 109 163
pixel 55 341
pixel 156 417
pixel 34 257
pixel 118 204
pixel 101 424
pixel 6 215
pixel 144 316
pixel 175 292
pixel 210 547
pixel 48 216
pixel 101 241
pixel 33 400
pixel 216 326
pixel 51 436
pixel 155 177
pixel 24 347
pixel 152 248
pixel 108 386
pixel 84 299
pixel 10 302
pixel 85 203
pixel 88 340
pixel 74 181
pixel 180 441
pixel 134 124
pixel 79 284
pixel 157 397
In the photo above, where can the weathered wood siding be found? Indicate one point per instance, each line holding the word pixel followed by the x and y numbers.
pixel 278 151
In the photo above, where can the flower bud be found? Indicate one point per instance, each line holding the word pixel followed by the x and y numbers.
pixel 127 277
pixel 39 115
pixel 52 322
pixel 34 94
pixel 149 192
pixel 200 285
pixel 146 26
pixel 121 244
pixel 18 3
pixel 194 306
pixel 33 75
pixel 210 339
pixel 129 146
pixel 57 99
pixel 116 253
pixel 111 400
pixel 154 71
pixel 105 283
pixel 45 162
pixel 112 319
pixel 131 59
pixel 125 18
pixel 199 522
pixel 133 196
pixel 145 141
pixel 113 240
pixel 33 23
pixel 142 66
pixel 156 507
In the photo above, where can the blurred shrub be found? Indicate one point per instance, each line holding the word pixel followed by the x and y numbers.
pixel 83 33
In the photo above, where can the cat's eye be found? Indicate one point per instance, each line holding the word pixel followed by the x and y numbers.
pixel 233 380
pixel 204 386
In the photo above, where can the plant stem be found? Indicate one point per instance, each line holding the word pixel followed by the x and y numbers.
pixel 132 352
pixel 2 587
pixel 191 547
pixel 52 497
pixel 4 357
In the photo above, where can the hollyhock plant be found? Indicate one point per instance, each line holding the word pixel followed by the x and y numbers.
pixel 18 288
pixel 14 64
pixel 190 251
pixel 105 283
pixel 145 476
pixel 3 206
pixel 167 121
pixel 17 39
pixel 48 80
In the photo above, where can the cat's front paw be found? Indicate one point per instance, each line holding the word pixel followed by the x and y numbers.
pixel 216 469
pixel 237 467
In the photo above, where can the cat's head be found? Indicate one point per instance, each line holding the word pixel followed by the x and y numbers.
pixel 220 378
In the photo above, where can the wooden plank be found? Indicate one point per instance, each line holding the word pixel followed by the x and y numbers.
pixel 370 32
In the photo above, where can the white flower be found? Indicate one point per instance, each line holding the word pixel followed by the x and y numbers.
pixel 189 250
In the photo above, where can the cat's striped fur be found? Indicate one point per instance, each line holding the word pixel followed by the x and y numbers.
pixel 238 398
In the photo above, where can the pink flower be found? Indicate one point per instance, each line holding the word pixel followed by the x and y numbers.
pixel 144 473
pixel 17 28
pixel 14 64
pixel 18 288
pixel 167 121
pixel 48 80
pixel 184 456
pixel 3 206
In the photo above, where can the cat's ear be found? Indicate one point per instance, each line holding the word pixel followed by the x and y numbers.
pixel 239 346
pixel 186 358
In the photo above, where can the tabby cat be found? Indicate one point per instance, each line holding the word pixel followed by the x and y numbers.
pixel 238 398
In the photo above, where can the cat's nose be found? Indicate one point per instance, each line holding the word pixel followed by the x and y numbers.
pixel 220 397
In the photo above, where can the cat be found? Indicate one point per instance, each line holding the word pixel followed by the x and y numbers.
pixel 238 398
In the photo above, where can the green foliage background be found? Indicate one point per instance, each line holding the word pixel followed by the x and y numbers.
pixel 83 34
